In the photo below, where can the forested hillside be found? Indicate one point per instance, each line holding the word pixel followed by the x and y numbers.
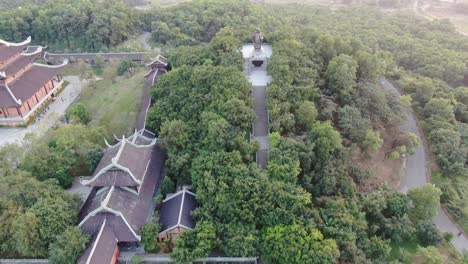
pixel 34 209
pixel 71 25
pixel 329 119
pixel 326 108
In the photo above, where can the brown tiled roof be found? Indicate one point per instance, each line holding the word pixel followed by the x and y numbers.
pixel 121 231
pixel 127 203
pixel 123 211
pixel 7 52
pixel 19 63
pixel 25 86
pixel 135 208
pixel 5 98
pixel 114 177
pixel 126 154
pixel 135 159
pixel 102 246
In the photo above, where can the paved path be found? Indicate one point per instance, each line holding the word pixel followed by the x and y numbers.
pixel 48 118
pixel 259 79
pixel 145 104
pixel 415 175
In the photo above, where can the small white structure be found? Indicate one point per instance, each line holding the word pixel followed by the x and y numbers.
pixel 256 63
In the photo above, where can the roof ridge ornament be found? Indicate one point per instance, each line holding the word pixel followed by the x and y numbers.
pixel 107 143
pixel 115 159
pixel 38 50
pixel 65 62
pixel 12 44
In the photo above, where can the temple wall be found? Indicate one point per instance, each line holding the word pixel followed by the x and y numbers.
pixel 27 106
pixel 115 256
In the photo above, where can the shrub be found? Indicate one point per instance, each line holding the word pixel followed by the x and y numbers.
pixel 428 234
pixel 78 113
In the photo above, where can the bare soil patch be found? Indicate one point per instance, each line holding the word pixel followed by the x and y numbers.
pixel 382 169
pixel 447 10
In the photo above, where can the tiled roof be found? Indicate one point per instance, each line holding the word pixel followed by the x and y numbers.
pixel 30 82
pixel 5 98
pixel 159 60
pixel 7 52
pixel 112 169
pixel 101 247
pixel 125 210
pixel 177 210
pixel 18 64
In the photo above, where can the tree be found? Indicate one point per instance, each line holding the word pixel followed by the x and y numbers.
pixel 326 140
pixel 168 186
pixel 194 244
pixel 68 247
pixel 274 139
pixel 431 255
pixel 372 141
pixel 283 167
pixel 124 66
pixel 440 108
pixel 426 200
pixel 54 217
pixel 370 67
pixel 352 124
pixel 239 240
pixel 406 100
pixel 341 75
pixel 306 114
pixel 27 237
pixel 136 259
pixel 174 134
pixel 428 234
pixel 149 237
pixel 79 113
pixel 296 244
pixel 378 249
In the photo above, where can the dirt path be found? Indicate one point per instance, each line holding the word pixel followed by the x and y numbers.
pixel 143 38
pixel 422 11
pixel 416 175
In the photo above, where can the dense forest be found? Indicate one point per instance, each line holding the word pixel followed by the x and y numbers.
pixel 326 110
pixel 325 106
pixel 38 218
pixel 71 25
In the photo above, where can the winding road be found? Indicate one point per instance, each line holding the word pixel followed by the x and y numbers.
pixel 416 172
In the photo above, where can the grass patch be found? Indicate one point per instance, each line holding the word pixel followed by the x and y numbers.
pixel 453 197
pixel 405 252
pixel 114 103
pixel 399 249
pixel 97 69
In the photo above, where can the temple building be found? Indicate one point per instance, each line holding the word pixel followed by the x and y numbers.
pixel 176 214
pixel 158 66
pixel 121 201
pixel 25 85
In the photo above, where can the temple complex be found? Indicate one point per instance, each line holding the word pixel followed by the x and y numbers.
pixel 121 201
pixel 123 187
pixel 25 85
